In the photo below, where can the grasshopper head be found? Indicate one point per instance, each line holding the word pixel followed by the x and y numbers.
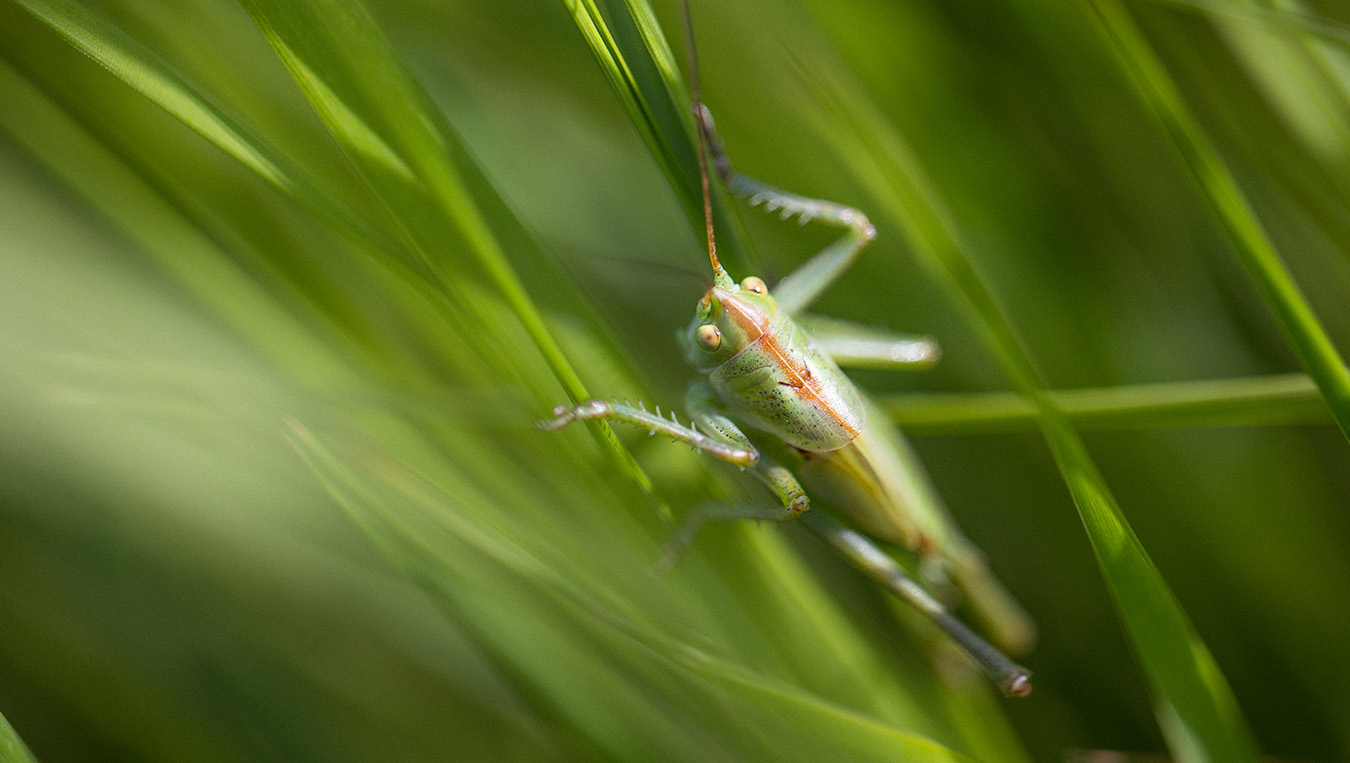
pixel 730 317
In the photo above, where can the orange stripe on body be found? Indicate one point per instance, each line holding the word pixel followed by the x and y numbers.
pixel 758 328
pixel 748 319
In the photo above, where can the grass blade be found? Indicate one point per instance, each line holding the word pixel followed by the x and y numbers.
pixel 1286 301
pixel 412 161
pixel 634 56
pixel 12 749
pixel 1192 702
pixel 386 125
pixel 402 511
pixel 1271 18
pixel 1274 400
pixel 154 78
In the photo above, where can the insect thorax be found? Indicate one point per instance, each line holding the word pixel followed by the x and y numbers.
pixel 783 385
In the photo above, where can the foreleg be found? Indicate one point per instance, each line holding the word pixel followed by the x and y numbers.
pixel 742 454
pixel 803 285
pixel 792 500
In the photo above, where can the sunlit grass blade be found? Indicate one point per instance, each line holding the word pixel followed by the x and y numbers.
pixel 158 81
pixel 1271 18
pixel 633 54
pixel 150 75
pixel 12 748
pixel 1295 316
pixel 399 144
pixel 858 737
pixel 146 217
pixel 1275 400
pixel 1192 702
pixel 412 161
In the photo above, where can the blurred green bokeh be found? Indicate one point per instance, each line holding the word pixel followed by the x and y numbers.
pixel 268 485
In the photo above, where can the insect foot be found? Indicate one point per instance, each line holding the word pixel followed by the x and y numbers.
pixel 566 414
pixel 675 547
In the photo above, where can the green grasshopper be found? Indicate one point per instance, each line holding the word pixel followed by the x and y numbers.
pixel 803 417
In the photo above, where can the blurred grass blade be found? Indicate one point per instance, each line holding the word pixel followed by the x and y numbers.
pixel 389 130
pixel 1271 17
pixel 1192 701
pixel 154 78
pixel 859 737
pixel 12 748
pixel 156 225
pixel 150 75
pixel 1272 400
pixel 404 514
pixel 403 148
pixel 1282 295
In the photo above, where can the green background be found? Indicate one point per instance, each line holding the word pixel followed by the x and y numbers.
pixel 268 484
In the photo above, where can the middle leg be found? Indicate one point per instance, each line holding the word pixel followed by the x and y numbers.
pixel 792 501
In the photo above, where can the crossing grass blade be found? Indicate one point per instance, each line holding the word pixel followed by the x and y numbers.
pixel 1286 399
pixel 1282 294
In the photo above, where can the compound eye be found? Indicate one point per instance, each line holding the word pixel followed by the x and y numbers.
pixel 709 337
pixel 755 285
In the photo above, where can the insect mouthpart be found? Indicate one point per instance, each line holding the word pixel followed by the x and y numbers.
pixel 711 304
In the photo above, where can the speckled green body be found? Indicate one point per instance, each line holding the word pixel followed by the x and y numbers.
pixel 783 385
pixel 768 374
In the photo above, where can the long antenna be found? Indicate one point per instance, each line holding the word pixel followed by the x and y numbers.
pixel 701 125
